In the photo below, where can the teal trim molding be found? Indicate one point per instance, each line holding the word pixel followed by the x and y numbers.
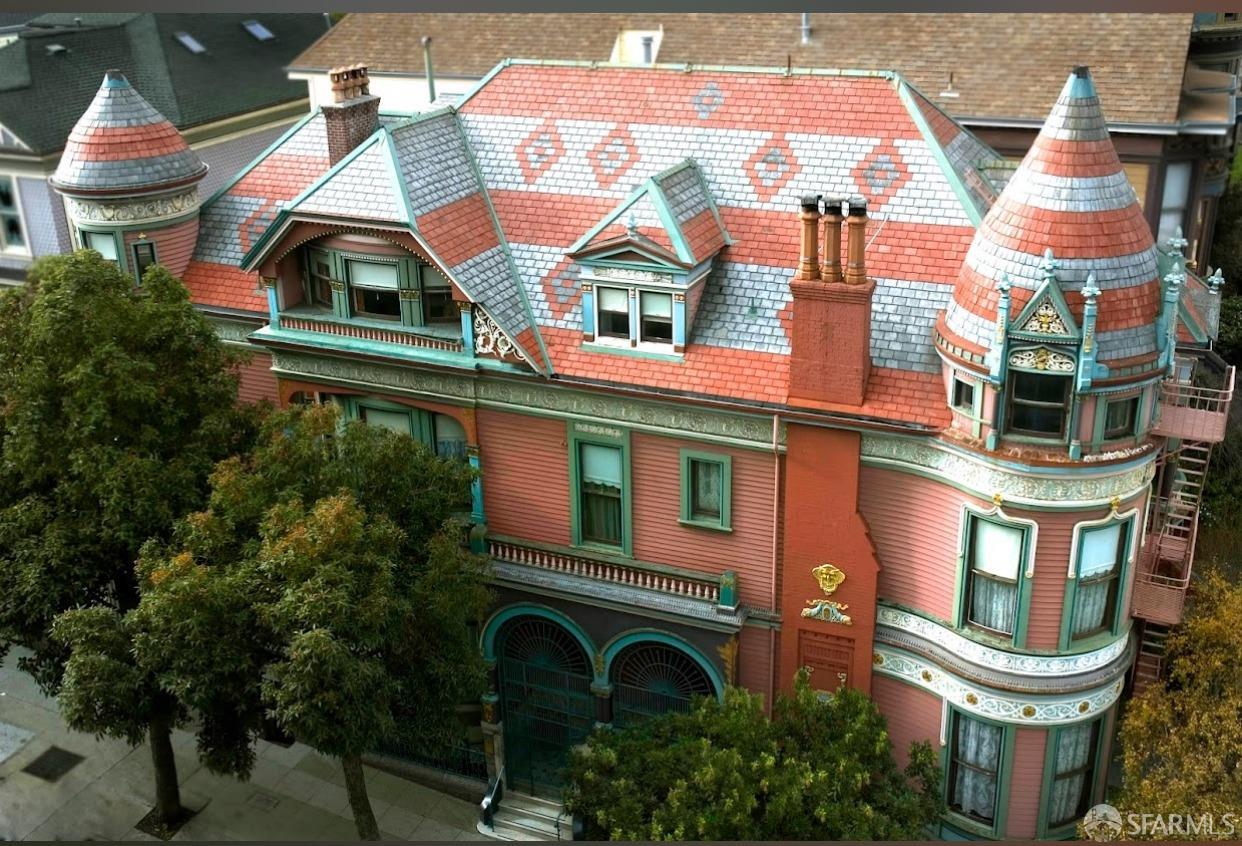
pixel 492 628
pixel 1004 770
pixel 689 458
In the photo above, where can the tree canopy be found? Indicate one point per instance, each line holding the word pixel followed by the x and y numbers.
pixel 1182 741
pixel 819 769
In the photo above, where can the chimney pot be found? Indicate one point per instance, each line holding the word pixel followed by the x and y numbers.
pixel 808 262
pixel 856 225
pixel 830 267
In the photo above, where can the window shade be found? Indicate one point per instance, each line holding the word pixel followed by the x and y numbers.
pixel 601 465
pixel 372 274
pixel 102 243
pixel 997 549
pixel 1099 550
pixel 433 278
pixel 613 299
pixel 657 305
pixel 398 421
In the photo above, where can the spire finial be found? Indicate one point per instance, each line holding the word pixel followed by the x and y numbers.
pixel 1049 265
pixel 1177 243
pixel 631 225
pixel 1089 289
pixel 1004 285
pixel 1215 280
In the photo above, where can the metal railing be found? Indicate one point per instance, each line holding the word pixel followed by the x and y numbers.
pixel 691 586
pixel 491 800
pixel 457 758
pixel 1199 397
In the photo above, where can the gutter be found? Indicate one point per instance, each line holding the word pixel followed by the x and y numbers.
pixel 1180 128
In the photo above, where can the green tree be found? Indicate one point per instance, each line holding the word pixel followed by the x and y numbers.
pixel 115 404
pixel 819 769
pixel 1182 741
pixel 325 586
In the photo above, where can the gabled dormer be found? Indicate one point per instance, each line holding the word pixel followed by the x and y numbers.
pixel 643 267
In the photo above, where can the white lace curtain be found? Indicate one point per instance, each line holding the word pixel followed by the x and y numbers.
pixel 996 553
pixel 1098 565
pixel 977 749
pixel 1074 747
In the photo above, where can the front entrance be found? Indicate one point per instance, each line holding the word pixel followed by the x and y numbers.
pixel 546 702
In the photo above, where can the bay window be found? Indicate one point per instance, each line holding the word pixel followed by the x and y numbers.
pixel 994 553
pixel 1038 403
pixel 103 243
pixel 974 768
pixel 144 257
pixel 1119 417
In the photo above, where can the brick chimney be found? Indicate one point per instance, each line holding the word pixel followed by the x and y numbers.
pixel 353 114
pixel 831 337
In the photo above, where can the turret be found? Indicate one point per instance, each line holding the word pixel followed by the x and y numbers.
pixel 131 182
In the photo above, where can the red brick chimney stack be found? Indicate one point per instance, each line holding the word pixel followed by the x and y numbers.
pixel 830 338
pixel 353 114
pixel 856 224
pixel 830 269
pixel 808 264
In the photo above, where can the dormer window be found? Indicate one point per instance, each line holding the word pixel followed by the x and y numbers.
pixel 373 289
pixel 1038 402
pixel 437 297
pixel 614 313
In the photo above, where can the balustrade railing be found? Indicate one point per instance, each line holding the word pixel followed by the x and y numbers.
pixel 720 590
pixel 369 333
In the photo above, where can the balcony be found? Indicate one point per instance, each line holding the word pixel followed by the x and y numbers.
pixel 430 338
pixel 1194 405
pixel 1165 562
pixel 703 593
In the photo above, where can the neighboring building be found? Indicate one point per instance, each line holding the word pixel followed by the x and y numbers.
pixel 1172 112
pixel 218 77
pixel 933 443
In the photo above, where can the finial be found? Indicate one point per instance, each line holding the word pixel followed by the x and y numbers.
pixel 1177 243
pixel 1175 278
pixel 1215 281
pixel 1089 289
pixel 998 499
pixel 1049 265
pixel 1004 285
pixel 631 226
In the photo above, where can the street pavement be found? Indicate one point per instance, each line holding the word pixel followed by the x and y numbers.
pixel 294 793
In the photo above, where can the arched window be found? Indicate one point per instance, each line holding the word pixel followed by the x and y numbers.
pixel 651 678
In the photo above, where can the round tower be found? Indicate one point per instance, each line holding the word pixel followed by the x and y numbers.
pixel 1057 334
pixel 130 182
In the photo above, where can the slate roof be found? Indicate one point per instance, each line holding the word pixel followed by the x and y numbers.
pixel 1004 66
pixel 712 162
pixel 43 93
pixel 122 144
pixel 1070 195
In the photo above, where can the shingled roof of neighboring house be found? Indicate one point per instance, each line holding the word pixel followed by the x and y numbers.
pixel 1004 66
pixel 50 74
pixel 503 187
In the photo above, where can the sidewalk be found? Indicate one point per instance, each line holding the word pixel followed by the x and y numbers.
pixel 293 794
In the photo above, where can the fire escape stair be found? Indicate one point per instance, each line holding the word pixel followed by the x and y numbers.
pixel 1149 667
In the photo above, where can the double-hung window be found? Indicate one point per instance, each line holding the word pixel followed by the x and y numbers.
pixel 655 317
pixel 1119 417
pixel 103 243
pixel 373 289
pixel 1098 583
pixel 601 478
pixel 974 768
pixel 1038 403
pixel 614 313
pixel 319 271
pixel 994 566
pixel 12 230
pixel 437 297
pixel 144 257
pixel 705 489
pixel 1074 752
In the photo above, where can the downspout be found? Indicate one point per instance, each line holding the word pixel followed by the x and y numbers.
pixel 431 76
pixel 806 27
pixel 776 517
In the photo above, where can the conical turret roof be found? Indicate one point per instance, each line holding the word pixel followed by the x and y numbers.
pixel 122 145
pixel 1070 195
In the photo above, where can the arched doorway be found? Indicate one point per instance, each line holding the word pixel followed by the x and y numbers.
pixel 650 678
pixel 546 703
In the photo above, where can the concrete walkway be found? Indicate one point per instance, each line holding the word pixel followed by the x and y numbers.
pixel 293 793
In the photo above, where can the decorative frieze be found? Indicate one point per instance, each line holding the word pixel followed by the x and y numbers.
pixel 1042 358
pixel 134 210
pixel 1071 489
pixel 995 704
pixel 1000 660
pixel 628 275
pixel 529 394
pixel 490 339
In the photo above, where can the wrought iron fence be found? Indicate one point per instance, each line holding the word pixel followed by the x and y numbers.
pixel 459 758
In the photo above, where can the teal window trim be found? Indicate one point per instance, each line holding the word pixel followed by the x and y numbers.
pixel 411 285
pixel 957 819
pixel 725 462
pixel 1129 522
pixel 1104 404
pixel 612 436
pixel 1044 828
pixel 635 341
pixel 1068 403
pixel 421 421
pixel 118 242
pixel 965 561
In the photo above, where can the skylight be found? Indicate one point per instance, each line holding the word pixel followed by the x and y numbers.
pixel 258 30
pixel 190 43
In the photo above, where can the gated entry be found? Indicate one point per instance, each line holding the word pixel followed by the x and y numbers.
pixel 546 702
pixel 649 679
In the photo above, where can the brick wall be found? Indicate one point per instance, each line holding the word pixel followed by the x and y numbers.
pixel 348 124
